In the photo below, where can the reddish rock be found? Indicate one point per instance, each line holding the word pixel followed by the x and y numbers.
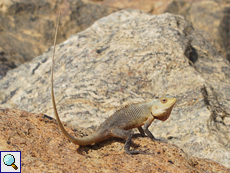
pixel 44 148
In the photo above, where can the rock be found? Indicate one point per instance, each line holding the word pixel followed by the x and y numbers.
pixel 5 64
pixel 130 56
pixel 27 26
pixel 45 149
pixel 148 6
pixel 224 31
pixel 210 16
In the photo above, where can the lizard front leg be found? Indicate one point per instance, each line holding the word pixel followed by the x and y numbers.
pixel 141 131
pixel 146 126
pixel 128 136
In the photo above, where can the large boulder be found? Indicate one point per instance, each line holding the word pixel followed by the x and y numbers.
pixel 127 57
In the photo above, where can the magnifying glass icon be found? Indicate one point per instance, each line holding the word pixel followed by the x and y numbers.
pixel 9 160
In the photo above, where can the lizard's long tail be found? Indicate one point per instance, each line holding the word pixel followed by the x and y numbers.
pixel 95 137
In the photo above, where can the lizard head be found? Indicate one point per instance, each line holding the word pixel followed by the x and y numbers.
pixel 162 108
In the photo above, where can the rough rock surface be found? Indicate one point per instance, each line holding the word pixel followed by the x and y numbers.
pixel 27 26
pixel 45 149
pixel 210 16
pixel 132 56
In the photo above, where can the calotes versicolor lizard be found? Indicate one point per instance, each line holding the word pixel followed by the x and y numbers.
pixel 117 125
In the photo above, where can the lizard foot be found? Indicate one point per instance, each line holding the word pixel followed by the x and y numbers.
pixel 134 152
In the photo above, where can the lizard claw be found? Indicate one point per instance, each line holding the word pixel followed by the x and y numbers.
pixel 134 152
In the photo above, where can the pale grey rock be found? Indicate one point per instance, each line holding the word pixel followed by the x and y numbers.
pixel 130 56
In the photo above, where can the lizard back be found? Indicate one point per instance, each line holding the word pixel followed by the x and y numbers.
pixel 129 116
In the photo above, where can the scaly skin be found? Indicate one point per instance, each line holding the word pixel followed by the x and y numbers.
pixel 129 117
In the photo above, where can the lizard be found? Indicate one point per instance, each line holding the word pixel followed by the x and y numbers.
pixel 118 124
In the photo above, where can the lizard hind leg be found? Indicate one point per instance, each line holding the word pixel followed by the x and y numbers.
pixel 119 133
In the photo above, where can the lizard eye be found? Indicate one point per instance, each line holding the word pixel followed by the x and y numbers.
pixel 164 100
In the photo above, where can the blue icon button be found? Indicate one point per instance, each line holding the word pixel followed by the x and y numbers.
pixel 9 160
